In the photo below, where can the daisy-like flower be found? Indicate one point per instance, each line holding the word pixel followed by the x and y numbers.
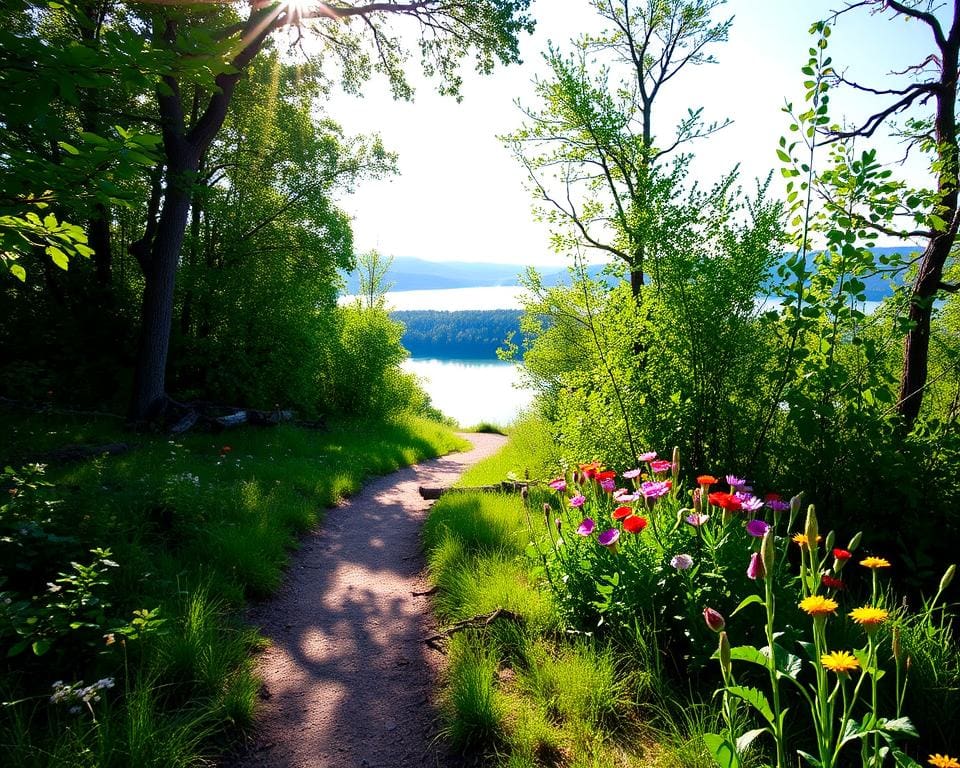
pixel 560 484
pixel 776 503
pixel 647 457
pixel 632 473
pixel 661 465
pixel 735 482
pixel 801 539
pixel 875 562
pixel 578 501
pixel 706 480
pixel 748 502
pixel 586 527
pixel 609 539
pixel 608 485
pixel 943 761
pixel 696 520
pixel 869 617
pixel 757 528
pixel 840 662
pixel 654 490
pixel 829 581
pixel 818 605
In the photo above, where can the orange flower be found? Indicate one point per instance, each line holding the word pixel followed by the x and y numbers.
pixel 621 512
pixel 801 539
pixel 869 617
pixel 706 480
pixel 840 662
pixel 943 761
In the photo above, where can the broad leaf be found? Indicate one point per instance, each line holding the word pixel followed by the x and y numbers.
pixel 721 750
pixel 755 698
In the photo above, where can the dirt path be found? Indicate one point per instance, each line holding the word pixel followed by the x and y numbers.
pixel 348 684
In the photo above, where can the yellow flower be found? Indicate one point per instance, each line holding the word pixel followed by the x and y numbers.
pixel 869 617
pixel 817 605
pixel 839 662
pixel 875 562
pixel 944 761
pixel 801 539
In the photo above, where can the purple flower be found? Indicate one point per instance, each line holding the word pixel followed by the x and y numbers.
pixel 632 473
pixel 608 485
pixel 558 485
pixel 777 505
pixel 578 500
pixel 609 537
pixel 757 528
pixel 586 527
pixel 755 567
pixel 749 502
pixel 654 490
pixel 647 457
pixel 735 482
pixel 681 562
pixel 696 519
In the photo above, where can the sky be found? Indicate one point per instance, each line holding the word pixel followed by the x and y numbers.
pixel 460 194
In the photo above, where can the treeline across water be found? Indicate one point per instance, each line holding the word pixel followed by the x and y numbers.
pixel 465 334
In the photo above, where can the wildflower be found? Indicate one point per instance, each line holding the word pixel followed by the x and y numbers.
pixel 755 567
pixel 622 497
pixel 634 524
pixel 706 480
pixel 586 527
pixel 869 617
pixel 875 562
pixel 560 484
pixel 609 539
pixel 607 474
pixel 801 539
pixel 647 457
pixel 654 490
pixel 757 528
pixel 696 520
pixel 841 555
pixel 735 482
pixel 590 470
pixel 775 503
pixel 630 474
pixel 681 562
pixel 578 501
pixel 726 501
pixel 608 485
pixel 943 761
pixel 748 502
pixel 947 577
pixel 661 465
pixel 817 605
pixel 621 512
pixel 830 582
pixel 714 619
pixel 840 662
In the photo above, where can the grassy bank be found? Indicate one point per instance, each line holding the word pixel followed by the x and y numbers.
pixel 134 571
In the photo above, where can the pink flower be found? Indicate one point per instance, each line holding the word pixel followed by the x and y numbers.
pixel 755 567
pixel 696 520
pixel 661 466
pixel 647 457
pixel 560 484
pixel 749 502
pixel 586 527
pixel 654 490
pixel 578 501
pixel 632 473
pixel 608 485
pixel 757 528
pixel 681 562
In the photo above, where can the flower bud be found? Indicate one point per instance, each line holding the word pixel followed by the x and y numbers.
pixel 895 642
pixel 755 569
pixel 811 530
pixel 697 501
pixel 948 577
pixel 855 541
pixel 676 464
pixel 794 508
pixel 725 655
pixel 714 619
pixel 831 538
pixel 768 551
pixel 546 514
pixel 559 523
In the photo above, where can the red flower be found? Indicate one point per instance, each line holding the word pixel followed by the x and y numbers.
pixel 634 524
pixel 842 554
pixel 661 466
pixel 621 512
pixel 226 449
pixel 725 501
pixel 831 582
pixel 706 480
pixel 606 475
pixel 590 470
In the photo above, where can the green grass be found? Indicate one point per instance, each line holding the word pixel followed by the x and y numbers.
pixel 198 525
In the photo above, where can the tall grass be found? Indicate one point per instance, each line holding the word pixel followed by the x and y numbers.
pixel 198 525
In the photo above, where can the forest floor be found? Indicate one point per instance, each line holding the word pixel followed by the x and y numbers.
pixel 348 680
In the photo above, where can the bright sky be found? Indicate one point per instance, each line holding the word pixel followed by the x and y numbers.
pixel 461 195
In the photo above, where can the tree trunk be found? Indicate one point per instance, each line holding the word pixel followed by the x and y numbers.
pixel 98 236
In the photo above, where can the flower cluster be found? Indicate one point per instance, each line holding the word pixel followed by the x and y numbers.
pixel 74 695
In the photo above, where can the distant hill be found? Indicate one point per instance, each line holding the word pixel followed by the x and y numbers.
pixel 464 334
pixel 411 274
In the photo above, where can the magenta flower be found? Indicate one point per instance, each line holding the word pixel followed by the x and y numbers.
pixel 696 519
pixel 578 501
pixel 609 538
pixel 749 502
pixel 624 497
pixel 654 490
pixel 757 528
pixel 661 465
pixel 586 527
pixel 630 474
pixel 558 485
pixel 681 562
pixel 714 619
pixel 777 505
pixel 647 457
pixel 608 485
pixel 755 567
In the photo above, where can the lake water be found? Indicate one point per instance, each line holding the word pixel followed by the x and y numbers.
pixel 472 391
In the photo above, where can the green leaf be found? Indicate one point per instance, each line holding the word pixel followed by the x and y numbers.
pixel 19 272
pixel 744 742
pixel 901 726
pixel 748 654
pixel 755 698
pixel 59 257
pixel 40 647
pixel 721 750
pixel 747 601
pixel 69 148
pixel 809 758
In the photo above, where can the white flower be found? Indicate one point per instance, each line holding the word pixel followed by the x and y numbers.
pixel 681 562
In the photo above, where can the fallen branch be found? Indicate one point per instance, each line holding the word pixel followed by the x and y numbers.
pixel 474 622
pixel 507 486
